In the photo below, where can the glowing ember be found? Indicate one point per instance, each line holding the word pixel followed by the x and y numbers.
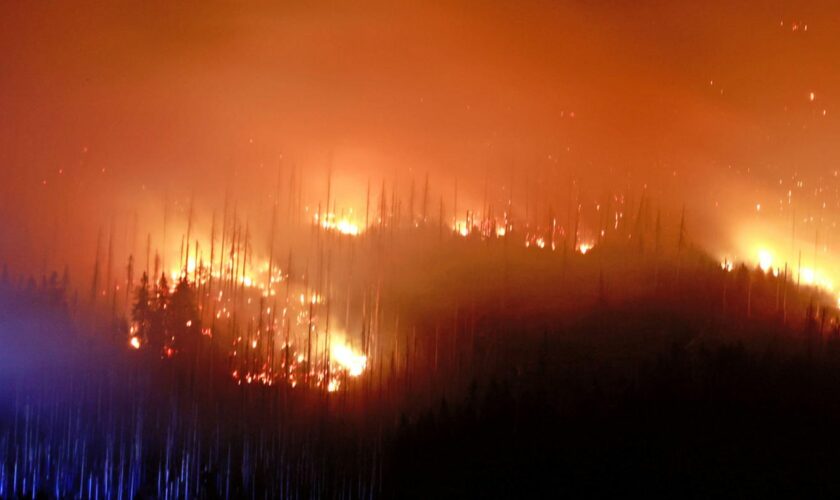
pixel 134 342
pixel 315 299
pixel 584 247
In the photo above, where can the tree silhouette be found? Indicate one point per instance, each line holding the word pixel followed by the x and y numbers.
pixel 182 318
pixel 158 334
pixel 141 311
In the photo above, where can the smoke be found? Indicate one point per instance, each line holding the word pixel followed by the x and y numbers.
pixel 109 111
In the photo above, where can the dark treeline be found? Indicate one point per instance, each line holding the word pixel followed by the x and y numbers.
pixel 717 423
pixel 92 419
pixel 508 372
pixel 165 317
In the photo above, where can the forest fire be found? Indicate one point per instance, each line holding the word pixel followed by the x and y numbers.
pixel 341 225
pixel 765 260
pixel 419 250
pixel 354 363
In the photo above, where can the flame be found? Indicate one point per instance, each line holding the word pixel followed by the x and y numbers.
pixel 134 342
pixel 343 225
pixel 315 299
pixel 461 228
pixel 346 227
pixel 765 260
pixel 344 355
pixel 811 277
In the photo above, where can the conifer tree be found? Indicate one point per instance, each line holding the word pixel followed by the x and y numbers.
pixel 158 334
pixel 182 319
pixel 141 311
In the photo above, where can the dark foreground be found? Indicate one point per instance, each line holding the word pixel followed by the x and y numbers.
pixel 646 398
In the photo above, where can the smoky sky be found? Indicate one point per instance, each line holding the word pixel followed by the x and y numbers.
pixel 106 105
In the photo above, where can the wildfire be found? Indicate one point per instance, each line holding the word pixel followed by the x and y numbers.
pixel 808 276
pixel 314 298
pixel 354 363
pixel 462 228
pixel 262 378
pixel 341 225
pixel 765 260
pixel 344 360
